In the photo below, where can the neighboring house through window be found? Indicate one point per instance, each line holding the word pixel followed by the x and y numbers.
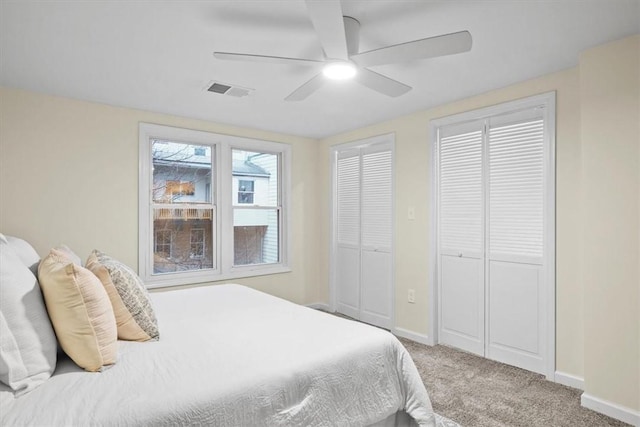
pixel 179 188
pixel 216 206
pixel 256 223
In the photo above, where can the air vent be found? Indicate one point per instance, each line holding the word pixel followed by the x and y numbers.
pixel 229 90
pixel 218 88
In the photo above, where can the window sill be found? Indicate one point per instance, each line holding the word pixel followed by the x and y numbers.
pixel 240 273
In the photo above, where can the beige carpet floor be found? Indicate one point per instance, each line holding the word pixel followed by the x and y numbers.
pixel 477 392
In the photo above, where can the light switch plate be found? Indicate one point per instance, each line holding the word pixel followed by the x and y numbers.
pixel 411 213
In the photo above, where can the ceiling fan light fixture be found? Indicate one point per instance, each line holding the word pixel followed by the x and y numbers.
pixel 339 70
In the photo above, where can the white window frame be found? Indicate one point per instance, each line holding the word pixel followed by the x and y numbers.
pixel 222 146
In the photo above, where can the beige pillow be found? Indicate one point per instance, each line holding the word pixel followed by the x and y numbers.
pixel 66 251
pixel 131 293
pixel 128 328
pixel 80 311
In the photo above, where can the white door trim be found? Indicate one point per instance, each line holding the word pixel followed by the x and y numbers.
pixel 548 102
pixel 433 294
pixel 388 138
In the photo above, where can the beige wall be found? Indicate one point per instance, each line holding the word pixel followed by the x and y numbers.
pixel 610 108
pixel 413 187
pixel 69 174
pixel 597 215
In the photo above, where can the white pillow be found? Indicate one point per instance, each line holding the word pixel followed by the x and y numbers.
pixel 27 342
pixel 25 252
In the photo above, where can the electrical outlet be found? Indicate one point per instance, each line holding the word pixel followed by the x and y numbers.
pixel 411 297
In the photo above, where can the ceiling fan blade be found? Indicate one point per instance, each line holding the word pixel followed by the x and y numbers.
pixel 326 16
pixel 380 83
pixel 264 58
pixel 307 89
pixel 447 44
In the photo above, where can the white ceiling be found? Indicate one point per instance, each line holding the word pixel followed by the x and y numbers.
pixel 157 55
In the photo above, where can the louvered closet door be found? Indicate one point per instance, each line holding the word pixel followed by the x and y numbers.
pixel 347 251
pixel 460 216
pixel 363 206
pixel 516 291
pixel 376 235
pixel 495 213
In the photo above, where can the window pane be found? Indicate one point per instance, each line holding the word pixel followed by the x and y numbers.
pixel 163 242
pixel 183 239
pixel 255 178
pixel 256 236
pixel 181 172
pixel 245 191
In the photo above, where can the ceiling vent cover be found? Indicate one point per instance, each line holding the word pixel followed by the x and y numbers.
pixel 229 90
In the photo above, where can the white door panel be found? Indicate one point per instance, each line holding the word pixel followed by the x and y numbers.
pixel 462 303
pixel 376 288
pixel 348 280
pixel 460 233
pixel 515 168
pixel 516 314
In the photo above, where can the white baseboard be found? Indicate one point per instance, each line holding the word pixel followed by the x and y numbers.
pixel 319 306
pixel 569 380
pixel 613 410
pixel 410 335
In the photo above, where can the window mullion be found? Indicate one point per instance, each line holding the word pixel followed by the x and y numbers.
pixel 225 189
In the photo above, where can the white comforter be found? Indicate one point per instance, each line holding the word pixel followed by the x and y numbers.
pixel 232 356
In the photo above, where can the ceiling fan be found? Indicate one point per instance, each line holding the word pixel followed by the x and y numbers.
pixel 339 37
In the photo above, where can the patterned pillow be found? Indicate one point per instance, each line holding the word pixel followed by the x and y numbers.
pixel 130 299
pixel 80 311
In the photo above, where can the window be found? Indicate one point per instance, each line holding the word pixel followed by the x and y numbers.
pixel 245 192
pixel 197 243
pixel 180 206
pixel 212 207
pixel 163 242
pixel 175 189
pixel 256 227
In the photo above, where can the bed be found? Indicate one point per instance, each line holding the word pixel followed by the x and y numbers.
pixel 233 356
